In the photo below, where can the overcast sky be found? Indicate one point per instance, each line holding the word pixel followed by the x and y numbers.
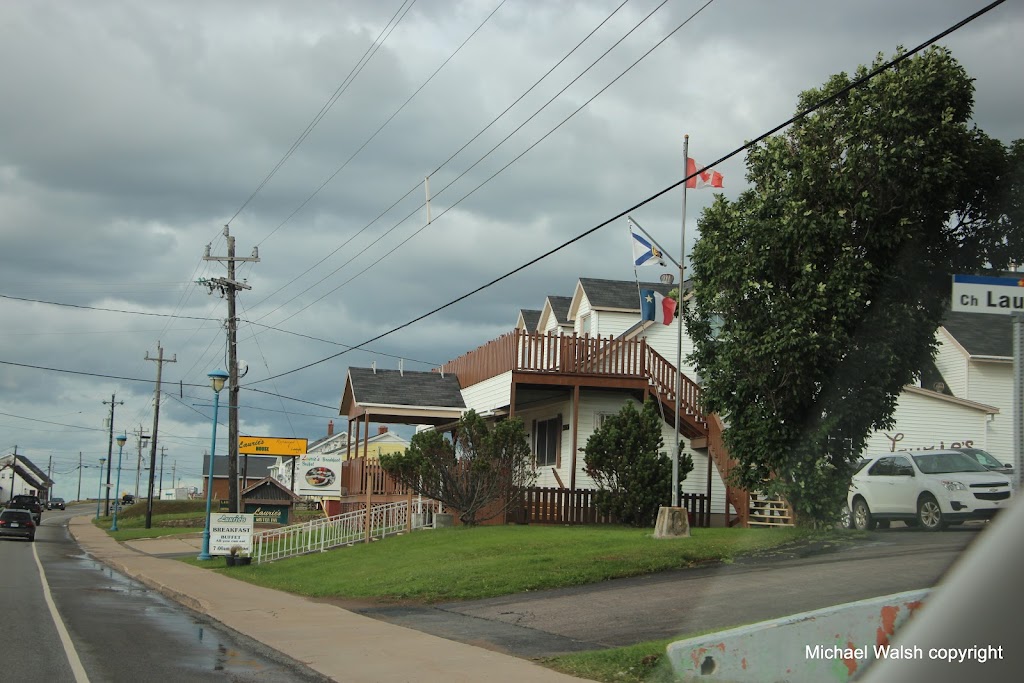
pixel 130 133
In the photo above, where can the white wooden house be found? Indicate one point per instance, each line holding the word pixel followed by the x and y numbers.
pixel 966 399
pixel 562 370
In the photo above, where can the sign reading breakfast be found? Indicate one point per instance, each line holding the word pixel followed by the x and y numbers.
pixel 269 445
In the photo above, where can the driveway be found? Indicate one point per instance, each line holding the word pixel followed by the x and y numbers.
pixel 667 604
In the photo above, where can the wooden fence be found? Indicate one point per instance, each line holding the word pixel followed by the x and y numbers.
pixel 544 505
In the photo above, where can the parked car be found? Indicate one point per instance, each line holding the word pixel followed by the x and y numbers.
pixel 987 460
pixel 931 489
pixel 55 504
pixel 18 523
pixel 26 502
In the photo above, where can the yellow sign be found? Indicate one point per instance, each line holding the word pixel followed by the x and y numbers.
pixel 269 445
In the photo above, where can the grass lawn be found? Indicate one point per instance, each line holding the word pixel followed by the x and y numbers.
pixel 131 521
pixel 472 563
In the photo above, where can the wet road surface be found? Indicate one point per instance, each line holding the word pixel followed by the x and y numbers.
pixel 121 630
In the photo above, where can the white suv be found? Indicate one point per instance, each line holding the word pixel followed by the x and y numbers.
pixel 932 489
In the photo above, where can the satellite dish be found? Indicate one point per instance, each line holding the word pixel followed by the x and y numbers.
pixel 242 367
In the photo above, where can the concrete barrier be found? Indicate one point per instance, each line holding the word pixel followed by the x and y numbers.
pixel 829 644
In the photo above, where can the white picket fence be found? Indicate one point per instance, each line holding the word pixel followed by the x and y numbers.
pixel 344 529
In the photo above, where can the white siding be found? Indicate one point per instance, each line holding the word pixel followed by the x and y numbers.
pixel 951 361
pixel 614 323
pixel 545 412
pixel 663 338
pixel 924 422
pixel 490 394
pixel 593 405
pixel 991 383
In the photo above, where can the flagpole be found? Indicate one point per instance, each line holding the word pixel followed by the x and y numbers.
pixel 636 276
pixel 679 325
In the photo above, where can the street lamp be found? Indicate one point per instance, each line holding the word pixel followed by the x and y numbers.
pixel 121 438
pixel 99 493
pixel 217 379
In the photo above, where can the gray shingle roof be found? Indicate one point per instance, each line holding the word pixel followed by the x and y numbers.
pixel 560 307
pixel 394 387
pixel 620 293
pixel 981 334
pixel 531 318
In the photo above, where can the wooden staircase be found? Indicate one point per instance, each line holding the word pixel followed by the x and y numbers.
pixel 705 431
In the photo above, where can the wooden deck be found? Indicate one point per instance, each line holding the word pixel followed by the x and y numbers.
pixel 591 361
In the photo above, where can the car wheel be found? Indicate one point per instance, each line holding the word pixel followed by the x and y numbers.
pixel 845 517
pixel 31 539
pixel 929 514
pixel 862 516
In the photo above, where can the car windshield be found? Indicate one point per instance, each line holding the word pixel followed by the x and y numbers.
pixel 945 463
pixel 984 457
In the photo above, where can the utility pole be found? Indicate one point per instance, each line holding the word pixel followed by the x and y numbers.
pixel 163 456
pixel 174 474
pixel 110 452
pixel 228 287
pixel 49 475
pixel 159 360
pixel 139 438
pixel 79 496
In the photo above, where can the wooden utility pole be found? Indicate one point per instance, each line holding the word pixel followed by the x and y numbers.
pixel 228 287
pixel 110 452
pixel 159 360
pixel 163 456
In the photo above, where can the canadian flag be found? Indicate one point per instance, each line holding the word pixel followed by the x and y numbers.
pixel 705 179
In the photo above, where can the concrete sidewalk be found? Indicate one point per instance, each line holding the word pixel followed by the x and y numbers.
pixel 332 641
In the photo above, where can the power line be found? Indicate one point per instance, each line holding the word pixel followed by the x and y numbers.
pixel 216 320
pixel 814 107
pixel 439 167
pixel 339 91
pixel 500 170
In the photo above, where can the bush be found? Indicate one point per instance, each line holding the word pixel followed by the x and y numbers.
pixel 624 458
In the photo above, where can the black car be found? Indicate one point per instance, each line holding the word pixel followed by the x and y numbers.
pixel 55 504
pixel 18 523
pixel 26 502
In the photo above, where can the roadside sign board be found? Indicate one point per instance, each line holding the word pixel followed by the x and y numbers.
pixel 269 445
pixel 983 294
pixel 229 529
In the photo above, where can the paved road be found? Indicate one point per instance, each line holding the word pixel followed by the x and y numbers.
pixel 118 629
pixel 628 611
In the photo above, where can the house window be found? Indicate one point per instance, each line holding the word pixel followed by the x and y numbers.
pixel 599 419
pixel 546 439
pixel 585 324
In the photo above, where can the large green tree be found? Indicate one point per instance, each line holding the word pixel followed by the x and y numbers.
pixel 478 473
pixel 819 290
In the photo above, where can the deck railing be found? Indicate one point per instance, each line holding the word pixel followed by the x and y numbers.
pixel 345 529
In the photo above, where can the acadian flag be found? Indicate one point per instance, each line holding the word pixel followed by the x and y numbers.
pixel 645 253
pixel 702 180
pixel 655 306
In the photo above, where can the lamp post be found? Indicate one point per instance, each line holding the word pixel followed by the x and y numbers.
pixel 99 492
pixel 217 379
pixel 121 438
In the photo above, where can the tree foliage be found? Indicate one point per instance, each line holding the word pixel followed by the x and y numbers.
pixel 624 458
pixel 477 474
pixel 819 290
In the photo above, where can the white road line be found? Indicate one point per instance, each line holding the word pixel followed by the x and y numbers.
pixel 65 639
